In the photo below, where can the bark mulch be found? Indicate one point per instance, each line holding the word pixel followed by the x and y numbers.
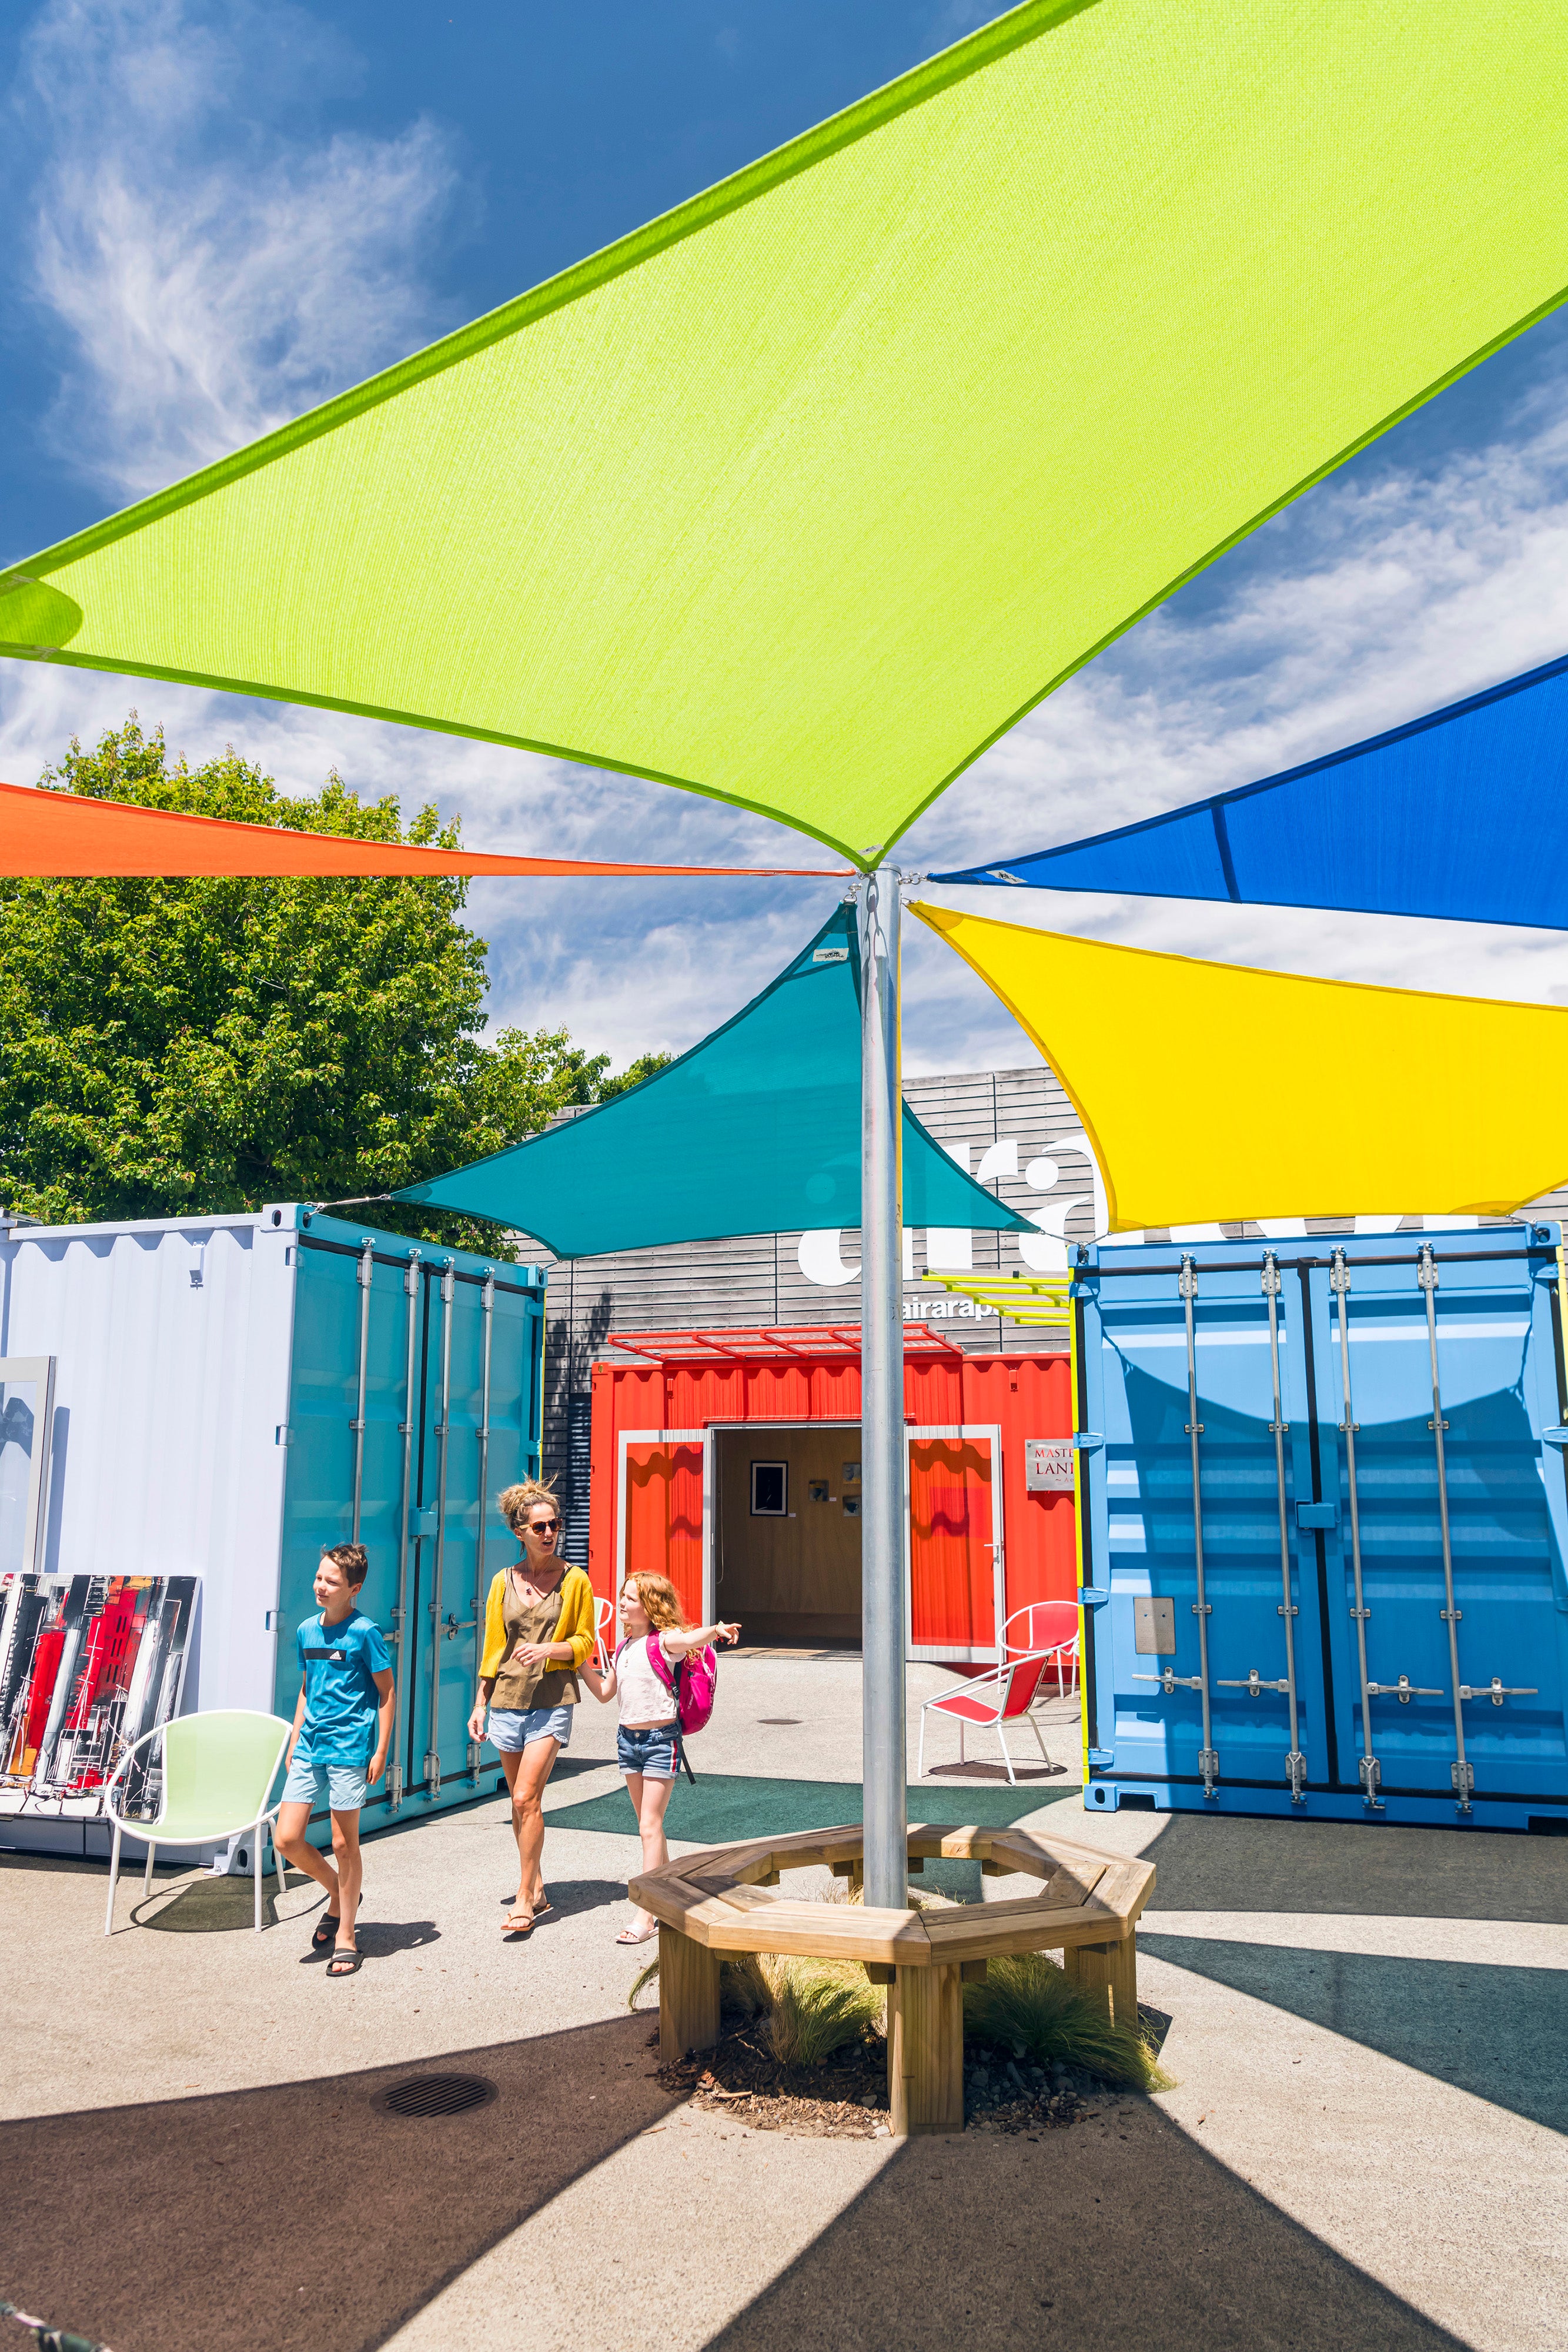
pixel 846 2097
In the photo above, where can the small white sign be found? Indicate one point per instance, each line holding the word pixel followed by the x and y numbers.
pixel 830 955
pixel 1048 1466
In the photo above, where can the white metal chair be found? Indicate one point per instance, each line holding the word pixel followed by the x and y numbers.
pixel 1048 1629
pixel 1001 1695
pixel 603 1618
pixel 218 1772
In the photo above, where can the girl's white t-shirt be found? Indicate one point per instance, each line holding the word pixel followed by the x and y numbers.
pixel 643 1696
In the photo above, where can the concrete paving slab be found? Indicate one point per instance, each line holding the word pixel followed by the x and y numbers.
pixel 1361 2148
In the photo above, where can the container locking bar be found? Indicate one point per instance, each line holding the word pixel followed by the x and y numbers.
pixel 1462 1774
pixel 1255 1686
pixel 406 1430
pixel 1207 1759
pixel 433 1754
pixel 1171 1681
pixel 1404 1690
pixel 1371 1770
pixel 1295 1762
pixel 487 1314
pixel 1497 1690
pixel 366 1271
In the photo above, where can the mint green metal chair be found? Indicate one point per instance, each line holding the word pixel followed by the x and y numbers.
pixel 218 1772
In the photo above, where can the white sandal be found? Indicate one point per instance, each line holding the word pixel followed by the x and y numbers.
pixel 636 1936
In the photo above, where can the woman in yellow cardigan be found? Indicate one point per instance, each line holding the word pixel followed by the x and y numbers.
pixel 538 1630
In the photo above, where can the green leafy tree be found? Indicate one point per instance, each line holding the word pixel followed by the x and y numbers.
pixel 187 1047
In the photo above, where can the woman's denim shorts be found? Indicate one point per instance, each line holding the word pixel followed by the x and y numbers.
pixel 515 1727
pixel 655 1753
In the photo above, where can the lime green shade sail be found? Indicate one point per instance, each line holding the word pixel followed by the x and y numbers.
pixel 802 494
pixel 1211 1092
pixel 756 1130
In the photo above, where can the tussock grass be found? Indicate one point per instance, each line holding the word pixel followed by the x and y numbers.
pixel 809 2008
pixel 816 2008
pixel 1027 2003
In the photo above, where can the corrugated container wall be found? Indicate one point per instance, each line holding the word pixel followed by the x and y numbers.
pixel 207 1388
pixel 1325 1526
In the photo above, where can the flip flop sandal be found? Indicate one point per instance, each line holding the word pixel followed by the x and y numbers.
pixel 635 1936
pixel 326 1932
pixel 519 1928
pixel 344 1963
pixel 539 1908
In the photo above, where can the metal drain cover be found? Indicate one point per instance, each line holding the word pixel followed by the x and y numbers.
pixel 437 2094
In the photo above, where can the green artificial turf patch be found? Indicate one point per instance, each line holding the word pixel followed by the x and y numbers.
pixel 726 1807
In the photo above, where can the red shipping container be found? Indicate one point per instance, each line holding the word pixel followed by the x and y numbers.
pixel 677 1435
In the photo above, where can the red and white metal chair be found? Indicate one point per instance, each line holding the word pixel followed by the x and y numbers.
pixel 1047 1628
pixel 1001 1695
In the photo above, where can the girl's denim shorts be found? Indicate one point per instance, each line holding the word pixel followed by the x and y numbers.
pixel 514 1727
pixel 655 1753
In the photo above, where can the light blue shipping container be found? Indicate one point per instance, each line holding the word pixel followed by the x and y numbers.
pixel 1324 1526
pixel 226 1397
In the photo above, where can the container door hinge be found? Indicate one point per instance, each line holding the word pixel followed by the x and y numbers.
pixel 1101 1758
pixel 1087 1440
pixel 1092 1596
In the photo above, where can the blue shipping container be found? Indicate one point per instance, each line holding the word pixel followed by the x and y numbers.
pixel 1325 1526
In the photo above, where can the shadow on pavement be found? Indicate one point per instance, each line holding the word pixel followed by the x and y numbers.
pixel 301 2214
pixel 1084 2238
pixel 1500 2032
pixel 1379 1870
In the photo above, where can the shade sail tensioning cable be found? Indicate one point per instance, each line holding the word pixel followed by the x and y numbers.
pixel 802 494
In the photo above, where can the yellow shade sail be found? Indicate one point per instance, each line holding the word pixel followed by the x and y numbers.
pixel 1213 1092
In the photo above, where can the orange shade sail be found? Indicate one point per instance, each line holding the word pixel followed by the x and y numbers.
pixel 62 833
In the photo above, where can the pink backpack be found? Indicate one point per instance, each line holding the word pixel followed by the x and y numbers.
pixel 695 1682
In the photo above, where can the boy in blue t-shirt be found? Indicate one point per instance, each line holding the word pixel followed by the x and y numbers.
pixel 342 1729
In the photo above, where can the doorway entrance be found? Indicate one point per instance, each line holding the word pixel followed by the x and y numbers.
pixel 787 1533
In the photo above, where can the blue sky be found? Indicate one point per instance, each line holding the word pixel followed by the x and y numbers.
pixel 217 216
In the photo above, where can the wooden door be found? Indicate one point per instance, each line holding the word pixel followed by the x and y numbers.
pixel 953 1543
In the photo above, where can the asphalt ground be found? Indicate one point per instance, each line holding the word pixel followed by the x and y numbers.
pixel 1364 2148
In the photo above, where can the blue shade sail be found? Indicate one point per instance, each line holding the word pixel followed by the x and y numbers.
pixel 1462 814
pixel 756 1130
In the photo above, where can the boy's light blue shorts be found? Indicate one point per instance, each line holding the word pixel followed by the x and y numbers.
pixel 343 1786
pixel 514 1727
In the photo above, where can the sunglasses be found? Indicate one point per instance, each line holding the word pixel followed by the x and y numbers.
pixel 545 1528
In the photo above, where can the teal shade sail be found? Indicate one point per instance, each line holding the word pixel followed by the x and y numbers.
pixel 756 1130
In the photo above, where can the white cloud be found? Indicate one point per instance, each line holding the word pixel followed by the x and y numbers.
pixel 214 275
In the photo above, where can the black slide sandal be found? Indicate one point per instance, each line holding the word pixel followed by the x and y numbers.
pixel 344 1963
pixel 325 1930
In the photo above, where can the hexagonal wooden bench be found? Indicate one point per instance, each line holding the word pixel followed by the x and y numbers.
pixel 717 1901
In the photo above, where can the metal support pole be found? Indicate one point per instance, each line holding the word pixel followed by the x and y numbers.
pixel 883 1442
pixel 1208 1756
pixel 366 1270
pixel 400 1625
pixel 1461 1771
pixel 433 1754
